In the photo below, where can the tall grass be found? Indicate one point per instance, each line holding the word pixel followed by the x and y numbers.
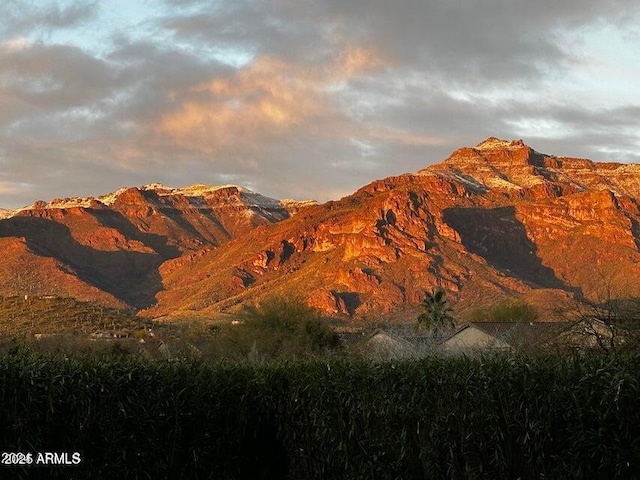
pixel 491 417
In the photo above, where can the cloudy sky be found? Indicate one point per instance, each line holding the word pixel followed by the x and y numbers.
pixel 302 98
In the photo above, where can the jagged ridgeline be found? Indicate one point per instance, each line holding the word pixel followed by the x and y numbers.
pixel 492 221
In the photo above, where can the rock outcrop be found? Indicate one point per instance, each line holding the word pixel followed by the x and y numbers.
pixel 115 243
pixel 499 219
pixel 496 220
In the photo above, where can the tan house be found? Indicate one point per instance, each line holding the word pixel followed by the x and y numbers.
pixel 502 336
pixel 477 337
pixel 594 334
pixel 382 344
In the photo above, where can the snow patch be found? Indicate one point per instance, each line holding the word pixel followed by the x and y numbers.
pixel 155 186
pixel 6 213
pixel 289 202
pixel 199 192
pixel 111 197
pixel 467 180
pixel 255 199
pixel 196 194
pixel 59 203
pixel 70 202
pixel 493 143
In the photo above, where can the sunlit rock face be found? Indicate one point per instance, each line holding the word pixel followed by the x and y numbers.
pixel 491 221
pixel 114 244
pixel 499 219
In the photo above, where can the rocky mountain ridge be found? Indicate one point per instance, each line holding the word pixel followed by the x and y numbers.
pixel 492 221
pixel 517 169
pixel 109 248
pixel 198 194
pixel 489 222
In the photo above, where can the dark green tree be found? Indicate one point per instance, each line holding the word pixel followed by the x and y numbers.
pixel 510 311
pixel 437 313
pixel 283 326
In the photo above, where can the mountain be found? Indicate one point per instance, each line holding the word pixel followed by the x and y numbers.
pixel 497 220
pixel 109 248
pixel 493 221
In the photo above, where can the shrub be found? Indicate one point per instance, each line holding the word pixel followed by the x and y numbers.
pixel 280 327
pixel 507 311
pixel 484 418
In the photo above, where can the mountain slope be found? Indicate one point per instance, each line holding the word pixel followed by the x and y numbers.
pixel 498 219
pixel 493 221
pixel 580 217
pixel 27 272
pixel 113 245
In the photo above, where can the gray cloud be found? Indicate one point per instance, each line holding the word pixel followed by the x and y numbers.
pixel 256 27
pixel 497 40
pixel 296 98
pixel 20 17
pixel 55 77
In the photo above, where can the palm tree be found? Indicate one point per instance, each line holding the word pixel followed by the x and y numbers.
pixel 437 315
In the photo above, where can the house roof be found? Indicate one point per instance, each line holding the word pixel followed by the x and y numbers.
pixel 414 339
pixel 518 334
pixel 385 333
pixel 384 344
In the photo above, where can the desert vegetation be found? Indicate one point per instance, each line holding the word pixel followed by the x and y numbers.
pixel 510 310
pixel 490 417
pixel 272 393
pixel 280 327
pixel 30 315
pixel 284 327
pixel 437 314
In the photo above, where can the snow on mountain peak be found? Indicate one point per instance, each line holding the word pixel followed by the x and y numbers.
pixel 197 193
pixel 493 143
pixel 6 213
pixel 155 186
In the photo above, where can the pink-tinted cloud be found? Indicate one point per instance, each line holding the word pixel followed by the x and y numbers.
pixel 298 99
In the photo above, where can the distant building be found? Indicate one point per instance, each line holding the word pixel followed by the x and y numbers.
pixel 480 337
pixel 507 337
pixel 382 344
pixel 595 334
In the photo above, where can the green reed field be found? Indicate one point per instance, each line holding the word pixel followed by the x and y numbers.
pixel 574 416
